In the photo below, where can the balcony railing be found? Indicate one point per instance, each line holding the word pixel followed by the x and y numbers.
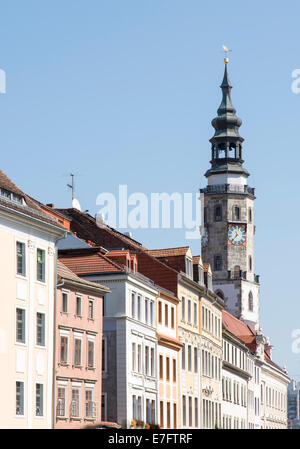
pixel 228 188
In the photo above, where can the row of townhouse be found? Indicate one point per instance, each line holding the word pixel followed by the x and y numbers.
pixel 116 332
pixel 200 367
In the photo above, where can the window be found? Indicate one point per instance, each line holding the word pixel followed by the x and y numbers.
pixel 161 414
pixel 139 301
pixel 139 355
pixel 159 312
pixel 250 302
pixel 190 411
pixel 40 329
pixel 91 309
pixel 63 349
pixel 78 305
pixel 77 352
pixel 20 325
pixel 147 360
pixel 174 370
pixel 133 356
pixel 152 362
pixel 133 305
pixel 61 401
pixel 189 358
pixel 236 213
pixel 183 357
pixel 189 267
pixel 174 416
pixel 151 313
pixel 39 399
pixel 89 404
pixel 220 294
pixel 168 415
pixel 172 317
pixel 196 412
pixel 168 369
pixel 40 262
pixel 218 213
pixel 65 302
pixel 161 367
pixel 218 262
pixel 21 269
pixel 146 311
pixel 196 360
pixel 166 315
pixel 195 314
pixel 91 346
pixel 183 308
pixel 184 410
pixel 75 409
pixel 189 311
pixel 19 398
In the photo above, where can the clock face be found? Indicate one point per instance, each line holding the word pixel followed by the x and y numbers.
pixel 237 235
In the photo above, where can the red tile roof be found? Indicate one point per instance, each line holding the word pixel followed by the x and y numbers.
pixel 29 208
pixel 236 326
pixel 165 252
pixel 65 273
pixel 90 263
pixel 87 229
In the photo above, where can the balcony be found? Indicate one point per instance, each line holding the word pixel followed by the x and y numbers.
pixel 228 188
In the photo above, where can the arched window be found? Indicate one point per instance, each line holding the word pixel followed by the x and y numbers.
pixel 236 213
pixel 250 263
pixel 220 294
pixel 237 272
pixel 218 262
pixel 250 302
pixel 218 213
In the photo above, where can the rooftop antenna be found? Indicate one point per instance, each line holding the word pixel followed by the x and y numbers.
pixel 226 50
pixel 72 187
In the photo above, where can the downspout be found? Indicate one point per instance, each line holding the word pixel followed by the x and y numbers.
pixel 54 329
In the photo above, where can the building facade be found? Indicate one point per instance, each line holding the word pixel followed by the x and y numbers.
pixel 78 374
pixel 28 240
pixel 129 348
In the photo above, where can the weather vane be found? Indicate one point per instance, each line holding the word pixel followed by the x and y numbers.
pixel 226 50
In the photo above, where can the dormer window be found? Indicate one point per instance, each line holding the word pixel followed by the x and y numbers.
pixel 11 196
pixel 189 267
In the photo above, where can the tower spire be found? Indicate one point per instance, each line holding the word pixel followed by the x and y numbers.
pixel 226 143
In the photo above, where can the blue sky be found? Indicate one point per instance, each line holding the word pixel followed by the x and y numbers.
pixel 123 92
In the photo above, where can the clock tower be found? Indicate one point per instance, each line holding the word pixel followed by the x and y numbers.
pixel 228 229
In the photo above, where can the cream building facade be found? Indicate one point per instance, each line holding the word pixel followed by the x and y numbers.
pixel 28 270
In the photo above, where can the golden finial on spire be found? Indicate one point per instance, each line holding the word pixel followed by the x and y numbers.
pixel 226 50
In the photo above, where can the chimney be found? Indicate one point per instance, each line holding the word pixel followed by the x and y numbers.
pixel 51 205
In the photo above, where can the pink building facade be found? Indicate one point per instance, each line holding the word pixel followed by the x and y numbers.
pixel 78 370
